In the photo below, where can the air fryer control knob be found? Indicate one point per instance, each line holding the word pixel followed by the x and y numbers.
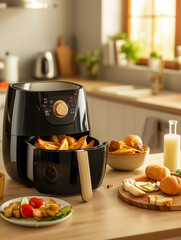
pixel 60 108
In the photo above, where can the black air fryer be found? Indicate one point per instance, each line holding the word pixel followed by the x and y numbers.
pixel 45 109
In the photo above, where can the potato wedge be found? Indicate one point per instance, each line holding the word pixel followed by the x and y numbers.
pixel 43 211
pixel 37 214
pixel 70 139
pixel 36 144
pixel 16 213
pixel 8 211
pixel 48 145
pixel 54 139
pixel 61 137
pixel 91 144
pixel 51 201
pixel 115 145
pixel 80 144
pixel 64 145
pixel 124 151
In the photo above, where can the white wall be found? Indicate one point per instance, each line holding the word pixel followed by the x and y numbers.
pixel 25 32
pixel 88 24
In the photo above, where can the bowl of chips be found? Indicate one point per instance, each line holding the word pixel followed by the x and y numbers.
pixel 125 157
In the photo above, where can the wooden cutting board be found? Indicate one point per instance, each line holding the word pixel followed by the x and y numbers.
pixel 142 201
pixel 66 60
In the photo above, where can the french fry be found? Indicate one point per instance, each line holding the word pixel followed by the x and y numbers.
pixel 64 145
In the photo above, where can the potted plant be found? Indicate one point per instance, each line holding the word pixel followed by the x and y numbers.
pixel 91 60
pixel 154 60
pixel 131 49
pixel 118 36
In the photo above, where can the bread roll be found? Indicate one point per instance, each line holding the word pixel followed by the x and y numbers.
pixel 157 172
pixel 134 141
pixel 171 185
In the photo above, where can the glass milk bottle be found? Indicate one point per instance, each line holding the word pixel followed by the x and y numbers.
pixel 172 147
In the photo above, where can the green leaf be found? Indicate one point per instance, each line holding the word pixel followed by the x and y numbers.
pixel 178 171
pixel 89 58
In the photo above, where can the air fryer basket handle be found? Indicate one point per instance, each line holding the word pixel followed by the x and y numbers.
pixel 85 177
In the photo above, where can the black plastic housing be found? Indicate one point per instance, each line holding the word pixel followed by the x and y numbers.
pixel 29 112
pixel 58 173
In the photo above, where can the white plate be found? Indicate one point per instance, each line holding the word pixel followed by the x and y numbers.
pixel 34 223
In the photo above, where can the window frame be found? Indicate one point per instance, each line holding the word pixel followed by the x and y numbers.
pixel 144 61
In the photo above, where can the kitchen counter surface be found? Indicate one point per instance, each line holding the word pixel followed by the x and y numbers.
pixel 169 102
pixel 104 217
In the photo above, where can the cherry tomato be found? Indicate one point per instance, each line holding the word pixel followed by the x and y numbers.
pixel 37 202
pixel 27 210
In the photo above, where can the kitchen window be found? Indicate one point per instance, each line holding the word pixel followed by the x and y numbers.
pixel 156 24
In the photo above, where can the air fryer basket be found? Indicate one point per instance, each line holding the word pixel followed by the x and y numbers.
pixel 56 172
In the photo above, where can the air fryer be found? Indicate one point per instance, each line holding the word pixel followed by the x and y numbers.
pixel 45 109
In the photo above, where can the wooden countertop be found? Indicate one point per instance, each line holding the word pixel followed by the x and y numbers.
pixel 170 103
pixel 104 217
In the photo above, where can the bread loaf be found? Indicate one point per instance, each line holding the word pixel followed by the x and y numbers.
pixel 134 141
pixel 171 185
pixel 157 172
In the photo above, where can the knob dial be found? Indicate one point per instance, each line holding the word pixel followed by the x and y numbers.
pixel 60 108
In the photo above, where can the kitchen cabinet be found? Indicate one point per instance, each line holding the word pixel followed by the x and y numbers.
pixel 115 120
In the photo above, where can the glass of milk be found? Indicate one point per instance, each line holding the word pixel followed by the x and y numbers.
pixel 172 147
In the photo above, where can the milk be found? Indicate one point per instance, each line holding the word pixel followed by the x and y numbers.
pixel 172 148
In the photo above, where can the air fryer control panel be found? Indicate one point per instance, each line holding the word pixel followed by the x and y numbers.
pixel 59 108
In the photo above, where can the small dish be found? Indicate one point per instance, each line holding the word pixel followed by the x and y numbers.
pixel 128 161
pixel 34 223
